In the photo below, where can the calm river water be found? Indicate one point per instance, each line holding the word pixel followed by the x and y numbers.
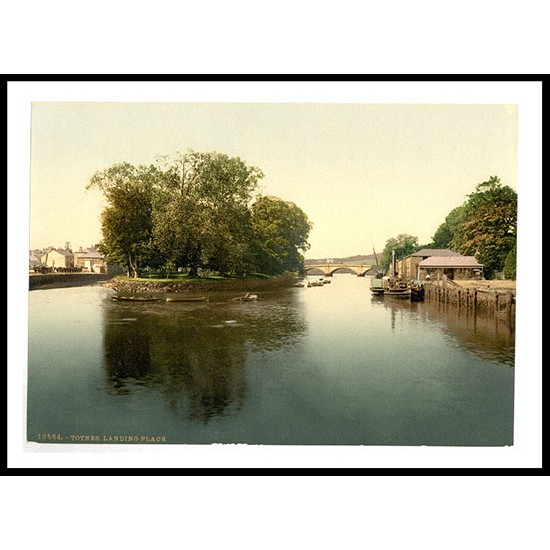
pixel 322 365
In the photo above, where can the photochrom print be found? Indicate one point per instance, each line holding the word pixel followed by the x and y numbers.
pixel 272 273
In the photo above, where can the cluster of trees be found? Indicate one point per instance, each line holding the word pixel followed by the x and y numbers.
pixel 404 244
pixel 484 226
pixel 198 211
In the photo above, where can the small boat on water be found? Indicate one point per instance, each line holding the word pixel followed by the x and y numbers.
pixel 417 291
pixel 400 288
pixel 394 285
pixel 406 289
pixel 187 299
pixel 377 282
pixel 315 283
pixel 377 286
pixel 246 298
pixel 397 288
pixel 135 299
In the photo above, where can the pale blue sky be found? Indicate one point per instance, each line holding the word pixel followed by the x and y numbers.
pixel 362 172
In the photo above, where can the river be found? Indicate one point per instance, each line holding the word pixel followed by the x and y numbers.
pixel 327 365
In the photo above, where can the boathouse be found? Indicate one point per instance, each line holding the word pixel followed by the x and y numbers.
pixel 454 267
pixel 408 267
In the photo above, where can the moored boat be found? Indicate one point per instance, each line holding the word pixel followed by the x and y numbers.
pixel 397 289
pixel 248 297
pixel 377 282
pixel 187 299
pixel 417 291
pixel 394 285
pixel 377 286
pixel 135 299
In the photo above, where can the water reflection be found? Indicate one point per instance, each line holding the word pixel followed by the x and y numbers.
pixel 194 354
pixel 127 354
pixel 301 366
pixel 490 336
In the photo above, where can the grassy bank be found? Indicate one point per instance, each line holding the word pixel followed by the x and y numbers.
pixel 184 283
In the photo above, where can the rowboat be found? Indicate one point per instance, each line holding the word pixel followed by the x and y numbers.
pixel 135 299
pixel 187 299
pixel 246 298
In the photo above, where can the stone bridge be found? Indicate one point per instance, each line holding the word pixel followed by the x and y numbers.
pixel 329 269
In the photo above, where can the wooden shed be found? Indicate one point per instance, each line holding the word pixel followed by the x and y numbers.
pixel 454 267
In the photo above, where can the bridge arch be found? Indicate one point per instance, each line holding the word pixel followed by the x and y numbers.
pixel 328 269
pixel 342 270
pixel 314 271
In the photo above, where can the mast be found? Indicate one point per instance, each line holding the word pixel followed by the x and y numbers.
pixel 375 256
pixel 393 264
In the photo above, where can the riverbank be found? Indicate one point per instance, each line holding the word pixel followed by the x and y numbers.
pixel 196 285
pixel 493 297
pixel 61 280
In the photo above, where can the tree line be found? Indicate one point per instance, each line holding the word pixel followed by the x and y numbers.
pixel 484 226
pixel 199 211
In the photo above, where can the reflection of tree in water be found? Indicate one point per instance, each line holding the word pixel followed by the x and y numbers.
pixel 487 335
pixel 202 369
pixel 126 352
pixel 192 353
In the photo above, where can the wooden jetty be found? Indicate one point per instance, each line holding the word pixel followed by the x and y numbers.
pixel 499 301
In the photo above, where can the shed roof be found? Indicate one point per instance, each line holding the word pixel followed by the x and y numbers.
pixel 435 252
pixel 89 253
pixel 450 261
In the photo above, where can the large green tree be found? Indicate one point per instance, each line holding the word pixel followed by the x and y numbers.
pixel 509 269
pixel 488 225
pixel 201 217
pixel 281 230
pixel 195 211
pixel 449 228
pixel 404 244
pixel 126 222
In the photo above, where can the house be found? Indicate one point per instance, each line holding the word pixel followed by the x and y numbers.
pixel 34 260
pixel 454 267
pixel 408 267
pixel 57 257
pixel 90 259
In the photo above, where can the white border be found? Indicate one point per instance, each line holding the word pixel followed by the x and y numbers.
pixel 527 450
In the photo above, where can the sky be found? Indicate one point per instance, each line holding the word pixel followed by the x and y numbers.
pixel 362 172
